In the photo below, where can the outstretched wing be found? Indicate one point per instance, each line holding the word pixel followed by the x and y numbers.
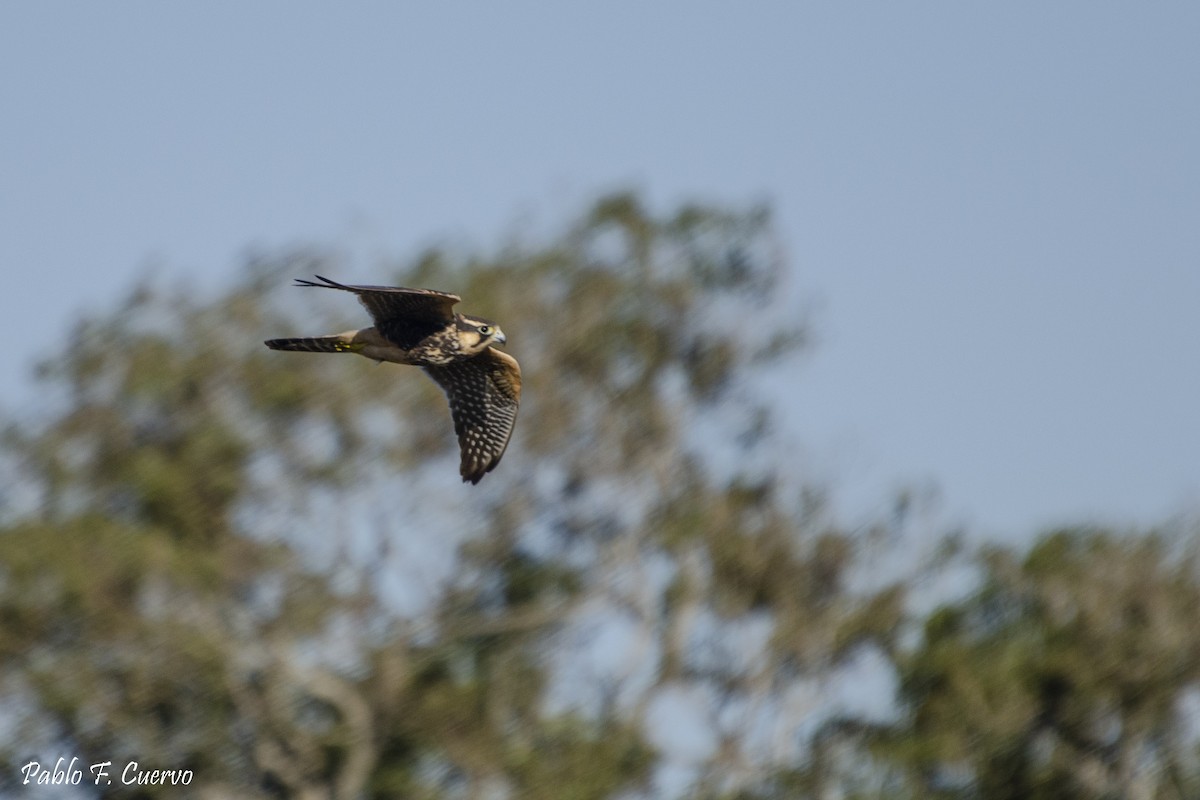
pixel 484 393
pixel 403 316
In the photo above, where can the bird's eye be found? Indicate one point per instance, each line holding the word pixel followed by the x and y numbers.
pixel 485 330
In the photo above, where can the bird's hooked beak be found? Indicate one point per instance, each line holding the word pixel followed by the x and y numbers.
pixel 500 337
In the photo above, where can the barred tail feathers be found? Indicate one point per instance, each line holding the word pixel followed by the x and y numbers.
pixel 314 344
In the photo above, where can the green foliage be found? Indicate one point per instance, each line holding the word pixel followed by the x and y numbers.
pixel 171 597
pixel 1061 677
pixel 227 568
pixel 575 759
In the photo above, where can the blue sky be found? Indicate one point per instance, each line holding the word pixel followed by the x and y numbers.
pixel 992 211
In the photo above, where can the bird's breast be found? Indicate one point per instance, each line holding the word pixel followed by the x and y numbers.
pixel 436 350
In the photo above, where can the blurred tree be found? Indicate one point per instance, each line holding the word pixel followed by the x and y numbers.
pixel 1072 672
pixel 231 562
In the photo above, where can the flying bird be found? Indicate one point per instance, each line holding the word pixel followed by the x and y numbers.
pixel 419 327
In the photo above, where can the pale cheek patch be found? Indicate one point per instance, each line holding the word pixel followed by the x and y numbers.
pixel 470 340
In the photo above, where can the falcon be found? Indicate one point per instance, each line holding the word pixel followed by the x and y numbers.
pixel 420 327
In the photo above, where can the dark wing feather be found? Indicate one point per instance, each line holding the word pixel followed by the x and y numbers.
pixel 484 393
pixel 404 316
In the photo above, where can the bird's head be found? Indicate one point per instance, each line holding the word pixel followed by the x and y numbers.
pixel 476 334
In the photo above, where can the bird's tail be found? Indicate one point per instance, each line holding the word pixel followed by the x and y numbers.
pixel 314 344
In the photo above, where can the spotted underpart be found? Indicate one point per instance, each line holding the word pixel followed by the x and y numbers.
pixel 484 393
pixel 419 327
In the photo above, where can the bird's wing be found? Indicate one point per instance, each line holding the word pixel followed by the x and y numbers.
pixel 404 316
pixel 484 393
